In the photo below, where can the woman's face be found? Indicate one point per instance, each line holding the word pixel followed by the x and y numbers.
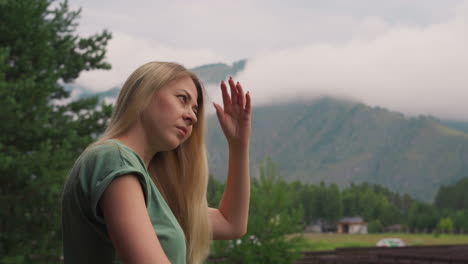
pixel 168 120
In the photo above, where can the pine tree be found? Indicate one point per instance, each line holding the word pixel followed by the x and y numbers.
pixel 40 138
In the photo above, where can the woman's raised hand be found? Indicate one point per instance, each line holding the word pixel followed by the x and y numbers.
pixel 234 117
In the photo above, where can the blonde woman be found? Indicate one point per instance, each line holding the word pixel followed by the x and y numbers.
pixel 138 194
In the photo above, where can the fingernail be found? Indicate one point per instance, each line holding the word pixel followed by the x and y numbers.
pixel 230 77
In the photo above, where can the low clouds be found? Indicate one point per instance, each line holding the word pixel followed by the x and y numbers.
pixel 125 53
pixel 412 69
pixel 408 56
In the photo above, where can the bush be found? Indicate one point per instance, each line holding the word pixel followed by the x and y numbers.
pixel 445 225
pixel 375 226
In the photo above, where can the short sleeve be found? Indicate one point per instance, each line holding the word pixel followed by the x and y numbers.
pixel 103 164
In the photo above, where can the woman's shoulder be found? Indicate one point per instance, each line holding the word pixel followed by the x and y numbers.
pixel 103 152
pixel 95 162
pixel 106 147
pixel 105 160
pixel 113 151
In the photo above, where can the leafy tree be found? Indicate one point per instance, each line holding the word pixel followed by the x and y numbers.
pixel 372 202
pixel 272 218
pixel 375 226
pixel 445 225
pixel 453 196
pixel 460 220
pixel 404 204
pixel 422 217
pixel 326 202
pixel 41 134
pixel 215 191
pixel 387 212
pixel 305 197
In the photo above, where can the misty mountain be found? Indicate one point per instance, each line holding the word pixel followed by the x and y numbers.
pixel 340 142
pixel 459 125
pixel 214 73
pixel 343 142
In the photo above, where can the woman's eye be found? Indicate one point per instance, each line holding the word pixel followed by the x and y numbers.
pixel 183 98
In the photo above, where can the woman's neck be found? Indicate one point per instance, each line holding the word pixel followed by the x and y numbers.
pixel 135 138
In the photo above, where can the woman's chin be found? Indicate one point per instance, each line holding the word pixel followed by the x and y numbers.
pixel 173 145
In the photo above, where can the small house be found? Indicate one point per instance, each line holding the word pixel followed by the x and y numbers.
pixel 352 225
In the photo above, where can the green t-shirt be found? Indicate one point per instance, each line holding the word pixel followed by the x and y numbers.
pixel 85 237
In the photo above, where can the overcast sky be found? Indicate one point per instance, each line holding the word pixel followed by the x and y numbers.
pixel 406 55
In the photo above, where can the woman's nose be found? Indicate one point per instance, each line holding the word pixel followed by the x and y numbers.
pixel 190 117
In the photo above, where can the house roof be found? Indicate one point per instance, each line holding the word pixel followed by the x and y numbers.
pixel 352 220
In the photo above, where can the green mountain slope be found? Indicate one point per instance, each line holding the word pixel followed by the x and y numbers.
pixel 459 125
pixel 342 142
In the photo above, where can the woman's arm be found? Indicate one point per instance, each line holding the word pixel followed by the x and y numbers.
pixel 230 219
pixel 128 222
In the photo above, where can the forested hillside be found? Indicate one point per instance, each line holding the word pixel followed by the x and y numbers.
pixel 342 142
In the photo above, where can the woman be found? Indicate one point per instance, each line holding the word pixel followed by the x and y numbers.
pixel 138 194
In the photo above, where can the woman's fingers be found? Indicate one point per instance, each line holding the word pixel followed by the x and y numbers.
pixel 248 103
pixel 237 97
pixel 219 111
pixel 234 97
pixel 240 95
pixel 225 94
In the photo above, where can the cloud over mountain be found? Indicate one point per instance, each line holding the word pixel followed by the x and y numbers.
pixel 413 69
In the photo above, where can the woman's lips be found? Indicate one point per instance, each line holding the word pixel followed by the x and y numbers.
pixel 182 130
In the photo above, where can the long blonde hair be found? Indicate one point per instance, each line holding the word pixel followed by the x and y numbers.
pixel 181 175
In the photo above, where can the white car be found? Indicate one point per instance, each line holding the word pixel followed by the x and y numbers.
pixel 391 242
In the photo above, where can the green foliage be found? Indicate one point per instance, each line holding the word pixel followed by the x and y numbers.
pixel 422 217
pixel 272 217
pixel 375 226
pixel 454 196
pixel 452 201
pixel 214 192
pixel 324 202
pixel 460 220
pixel 40 138
pixel 445 225
pixel 371 202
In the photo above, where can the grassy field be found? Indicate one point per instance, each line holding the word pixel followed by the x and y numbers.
pixel 320 242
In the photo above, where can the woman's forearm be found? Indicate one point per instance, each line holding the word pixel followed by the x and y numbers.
pixel 234 205
pixel 229 221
